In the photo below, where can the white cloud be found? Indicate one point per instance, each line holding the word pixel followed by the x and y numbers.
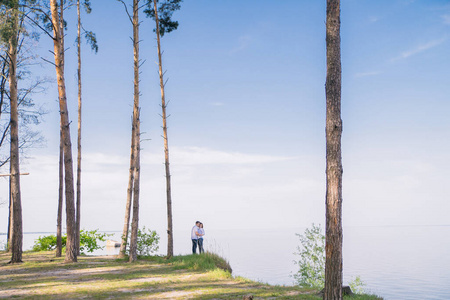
pixel 197 156
pixel 365 74
pixel 220 185
pixel 104 159
pixel 205 156
pixel 101 162
pixel 217 103
pixel 419 49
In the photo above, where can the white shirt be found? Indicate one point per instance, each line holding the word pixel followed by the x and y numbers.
pixel 194 230
pixel 202 232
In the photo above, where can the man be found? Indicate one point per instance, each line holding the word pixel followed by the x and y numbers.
pixel 194 237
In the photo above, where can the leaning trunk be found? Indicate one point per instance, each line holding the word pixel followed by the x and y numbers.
pixel 78 212
pixel 60 197
pixel 16 235
pixel 166 142
pixel 136 124
pixel 333 264
pixel 71 253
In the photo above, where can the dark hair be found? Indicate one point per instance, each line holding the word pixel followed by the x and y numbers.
pixel 197 222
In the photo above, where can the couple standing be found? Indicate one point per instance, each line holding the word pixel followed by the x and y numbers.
pixel 197 234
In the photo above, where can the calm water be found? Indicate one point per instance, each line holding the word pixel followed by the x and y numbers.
pixel 394 262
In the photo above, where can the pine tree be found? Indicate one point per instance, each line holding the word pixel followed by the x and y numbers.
pixel 164 24
pixel 134 173
pixel 16 226
pixel 333 263
pixel 58 42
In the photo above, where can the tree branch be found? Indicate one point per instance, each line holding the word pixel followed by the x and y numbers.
pixel 126 10
pixel 42 28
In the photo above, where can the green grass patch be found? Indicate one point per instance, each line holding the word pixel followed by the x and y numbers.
pixel 205 276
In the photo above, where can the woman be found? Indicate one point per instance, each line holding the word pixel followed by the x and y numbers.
pixel 201 233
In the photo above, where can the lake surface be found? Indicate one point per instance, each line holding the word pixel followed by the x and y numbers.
pixel 394 262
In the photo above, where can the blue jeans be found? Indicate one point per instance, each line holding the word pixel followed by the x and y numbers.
pixel 194 246
pixel 200 245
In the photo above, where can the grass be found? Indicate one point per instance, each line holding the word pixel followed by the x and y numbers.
pixel 206 276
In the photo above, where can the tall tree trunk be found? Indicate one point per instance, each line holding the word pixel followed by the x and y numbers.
pixel 60 196
pixel 166 142
pixel 17 234
pixel 126 223
pixel 3 80
pixel 71 253
pixel 333 264
pixel 135 222
pixel 136 124
pixel 10 217
pixel 78 212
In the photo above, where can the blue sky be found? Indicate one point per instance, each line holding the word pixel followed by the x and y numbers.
pixel 247 125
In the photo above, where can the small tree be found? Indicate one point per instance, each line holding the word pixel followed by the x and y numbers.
pixel 312 261
pixel 312 258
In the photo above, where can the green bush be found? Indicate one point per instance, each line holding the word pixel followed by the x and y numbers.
pixel 89 241
pixel 312 258
pixel 312 261
pixel 48 242
pixel 147 242
pixel 357 285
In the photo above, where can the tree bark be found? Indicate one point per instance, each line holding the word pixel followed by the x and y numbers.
pixel 333 264
pixel 10 217
pixel 166 142
pixel 71 253
pixel 17 234
pixel 60 196
pixel 126 223
pixel 3 80
pixel 78 205
pixel 135 221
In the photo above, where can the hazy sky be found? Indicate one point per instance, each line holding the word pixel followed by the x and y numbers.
pixel 247 126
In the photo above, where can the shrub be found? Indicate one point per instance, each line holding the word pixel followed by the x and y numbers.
pixel 89 241
pixel 312 261
pixel 357 285
pixel 312 258
pixel 48 242
pixel 147 242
